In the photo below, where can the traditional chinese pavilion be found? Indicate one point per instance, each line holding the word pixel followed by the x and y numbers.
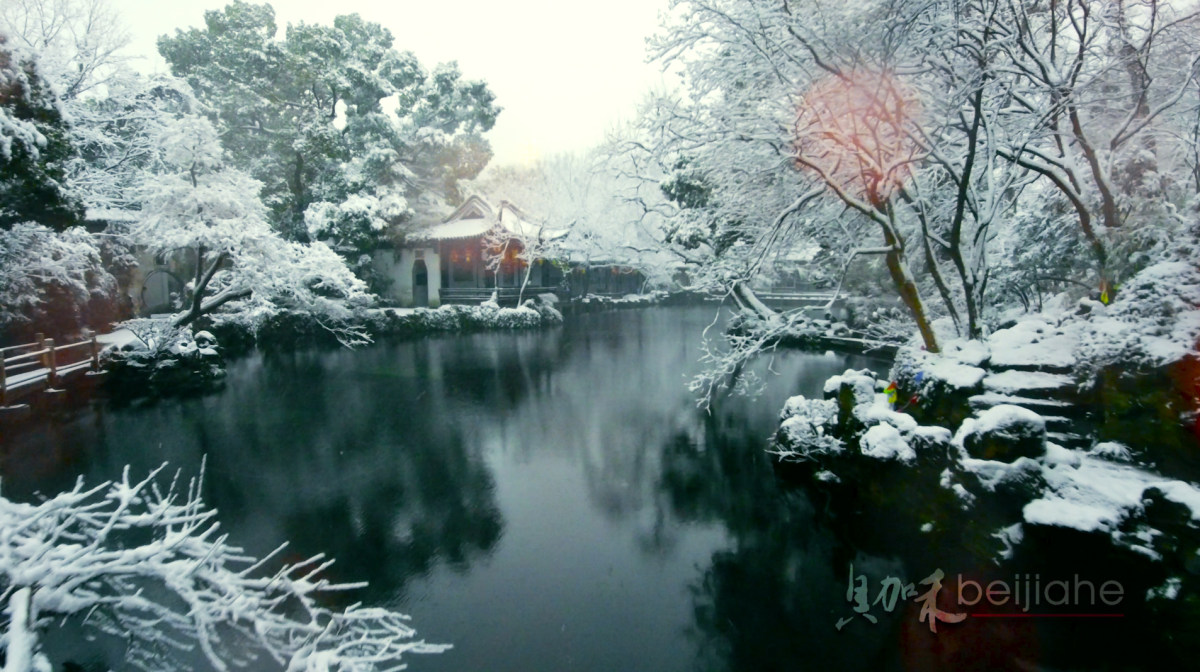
pixel 446 262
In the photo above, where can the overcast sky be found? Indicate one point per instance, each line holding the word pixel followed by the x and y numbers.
pixel 564 71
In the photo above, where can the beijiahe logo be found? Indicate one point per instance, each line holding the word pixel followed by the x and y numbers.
pixel 1057 598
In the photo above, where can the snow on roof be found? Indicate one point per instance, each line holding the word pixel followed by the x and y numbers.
pixel 476 217
pixel 471 219
pixel 520 223
pixel 455 229
pixel 472 208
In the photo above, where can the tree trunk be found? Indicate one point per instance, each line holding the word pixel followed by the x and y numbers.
pixel 524 283
pixel 907 288
pixel 940 282
pixel 203 277
pixel 187 318
pixel 747 296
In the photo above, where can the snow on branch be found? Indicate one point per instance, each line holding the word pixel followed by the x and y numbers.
pixel 725 366
pixel 150 565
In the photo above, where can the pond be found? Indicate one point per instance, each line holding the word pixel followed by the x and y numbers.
pixel 543 501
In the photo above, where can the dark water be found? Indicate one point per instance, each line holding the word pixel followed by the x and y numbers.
pixel 542 501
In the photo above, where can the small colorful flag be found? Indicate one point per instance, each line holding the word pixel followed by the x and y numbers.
pixel 891 392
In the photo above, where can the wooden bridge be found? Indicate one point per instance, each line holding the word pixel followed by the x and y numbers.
pixel 783 299
pixel 43 368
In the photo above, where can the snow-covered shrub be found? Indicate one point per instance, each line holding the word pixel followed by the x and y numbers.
pixel 878 317
pixel 517 318
pixel 545 309
pixel 169 360
pixel 146 563
pixel 627 301
pixel 54 283
pixel 1154 320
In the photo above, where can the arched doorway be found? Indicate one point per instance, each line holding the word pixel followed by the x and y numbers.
pixel 158 289
pixel 420 284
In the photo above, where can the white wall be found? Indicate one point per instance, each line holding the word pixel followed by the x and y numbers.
pixel 397 265
pixel 433 263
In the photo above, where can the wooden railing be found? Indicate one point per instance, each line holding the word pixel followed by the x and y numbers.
pixel 40 363
pixel 813 297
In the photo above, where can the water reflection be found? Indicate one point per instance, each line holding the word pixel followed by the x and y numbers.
pixel 544 501
pixel 308 448
pixel 770 598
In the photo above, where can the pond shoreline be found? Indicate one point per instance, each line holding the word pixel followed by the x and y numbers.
pixel 134 376
pixel 494 485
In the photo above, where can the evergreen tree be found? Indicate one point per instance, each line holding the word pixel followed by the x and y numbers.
pixel 348 135
pixel 34 148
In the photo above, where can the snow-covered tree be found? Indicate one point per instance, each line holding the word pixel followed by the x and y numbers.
pixel 519 241
pixel 760 103
pixel 78 42
pixel 589 204
pixel 1097 91
pixel 215 215
pixel 116 137
pixel 145 561
pixel 33 146
pixel 928 121
pixel 343 130
pixel 52 283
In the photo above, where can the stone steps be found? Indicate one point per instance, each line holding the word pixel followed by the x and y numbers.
pixel 1069 440
pixel 1051 395
pixel 982 402
pixel 1035 367
pixel 1059 423
pixel 1031 365
pixel 1031 384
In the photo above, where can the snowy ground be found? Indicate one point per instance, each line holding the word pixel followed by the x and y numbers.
pixel 1013 404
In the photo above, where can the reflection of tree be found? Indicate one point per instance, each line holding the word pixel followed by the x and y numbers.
pixel 349 453
pixel 391 531
pixel 770 601
pixel 389 482
pixel 771 598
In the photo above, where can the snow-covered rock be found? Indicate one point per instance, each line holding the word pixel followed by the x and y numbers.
pixel 883 442
pixel 1004 433
pixel 1097 495
pixel 879 411
pixel 171 361
pixel 861 384
pixel 806 427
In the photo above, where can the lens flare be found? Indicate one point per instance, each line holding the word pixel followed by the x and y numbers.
pixel 858 131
